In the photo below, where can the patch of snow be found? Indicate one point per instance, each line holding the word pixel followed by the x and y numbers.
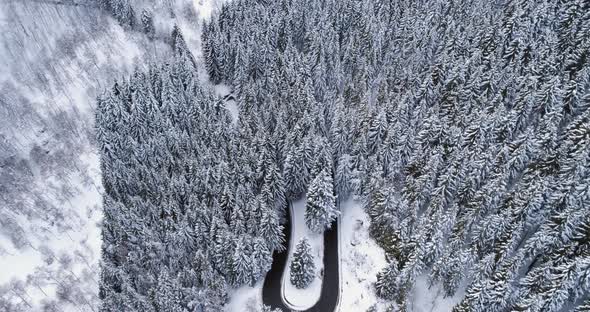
pixel 246 299
pixel 232 106
pixel 223 91
pixel 205 8
pixel 20 262
pixel 427 298
pixel 73 253
pixel 301 299
pixel 360 259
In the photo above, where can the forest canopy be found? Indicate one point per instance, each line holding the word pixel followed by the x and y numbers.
pixel 463 126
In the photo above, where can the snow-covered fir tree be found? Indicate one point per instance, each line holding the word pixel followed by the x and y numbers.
pixel 121 10
pixel 302 265
pixel 320 209
pixel 147 23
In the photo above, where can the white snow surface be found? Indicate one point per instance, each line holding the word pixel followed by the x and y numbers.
pixel 427 298
pixel 360 260
pixel 55 59
pixel 301 299
pixel 222 90
pixel 205 8
pixel 246 299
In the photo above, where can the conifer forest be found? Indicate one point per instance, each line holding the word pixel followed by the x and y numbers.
pixel 294 155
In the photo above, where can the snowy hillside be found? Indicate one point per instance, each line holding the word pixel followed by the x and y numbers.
pixel 56 58
pixel 315 155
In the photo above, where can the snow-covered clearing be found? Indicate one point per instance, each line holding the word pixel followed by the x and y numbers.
pixel 246 299
pixel 60 256
pixel 360 259
pixel 427 298
pixel 302 299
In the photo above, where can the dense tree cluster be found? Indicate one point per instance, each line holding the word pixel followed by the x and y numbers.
pixel 121 10
pixel 463 125
pixel 190 206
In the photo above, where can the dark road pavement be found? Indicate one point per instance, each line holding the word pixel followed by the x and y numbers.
pixel 271 291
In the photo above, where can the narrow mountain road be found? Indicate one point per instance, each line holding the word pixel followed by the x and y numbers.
pixel 271 291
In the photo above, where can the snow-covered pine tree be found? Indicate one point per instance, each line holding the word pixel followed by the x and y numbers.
pixel 386 284
pixel 242 266
pixel 147 23
pixel 295 171
pixel 302 265
pixel 320 209
pixel 271 229
pixel 121 10
pixel 212 53
pixel 105 4
pixel 167 296
pixel 346 182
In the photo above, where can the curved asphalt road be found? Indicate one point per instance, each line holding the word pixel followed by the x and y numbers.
pixel 271 291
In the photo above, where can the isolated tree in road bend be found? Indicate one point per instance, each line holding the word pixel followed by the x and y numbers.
pixel 320 210
pixel 302 266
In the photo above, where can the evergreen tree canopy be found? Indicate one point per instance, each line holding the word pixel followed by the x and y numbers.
pixel 320 209
pixel 302 265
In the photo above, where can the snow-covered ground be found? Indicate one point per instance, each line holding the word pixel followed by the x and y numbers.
pixel 55 60
pixel 302 299
pixel 206 7
pixel 59 259
pixel 223 91
pixel 427 298
pixel 246 299
pixel 360 259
